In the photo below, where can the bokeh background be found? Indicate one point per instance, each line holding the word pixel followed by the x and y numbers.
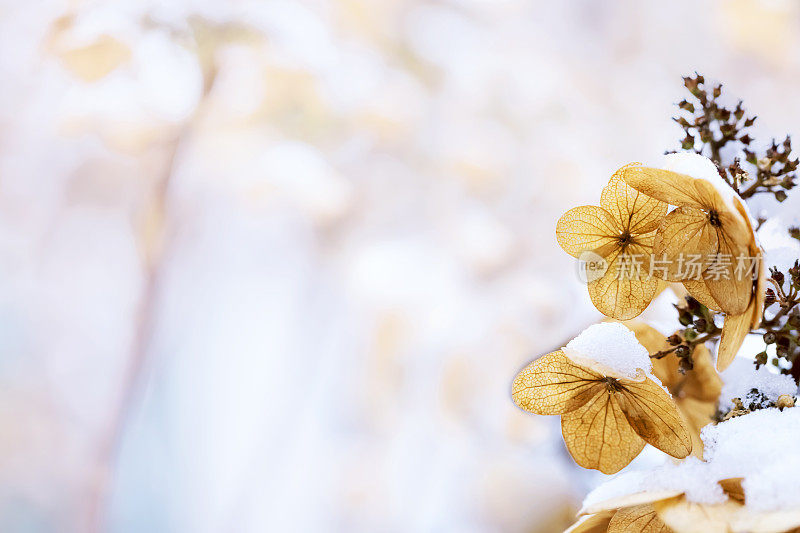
pixel 272 265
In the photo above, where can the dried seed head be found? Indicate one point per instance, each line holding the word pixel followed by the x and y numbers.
pixel 784 400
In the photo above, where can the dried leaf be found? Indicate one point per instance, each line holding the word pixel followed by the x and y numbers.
pixel 639 519
pixel 587 228
pixel 599 436
pixel 553 385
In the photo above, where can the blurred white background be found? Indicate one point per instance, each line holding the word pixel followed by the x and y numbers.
pixel 272 265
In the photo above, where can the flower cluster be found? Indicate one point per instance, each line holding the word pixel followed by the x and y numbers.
pixel 683 227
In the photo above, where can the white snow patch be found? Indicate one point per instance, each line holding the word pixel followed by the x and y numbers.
pixel 757 447
pixel 780 250
pixel 741 377
pixel 613 348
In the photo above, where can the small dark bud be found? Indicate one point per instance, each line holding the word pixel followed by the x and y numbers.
pixel 780 195
pixel 693 305
pixel 761 359
pixel 685 364
pixel 770 337
pixel 685 318
pixel 682 351
pixel 783 342
pixel 769 298
pixel 778 277
pixel 674 340
pixel 700 324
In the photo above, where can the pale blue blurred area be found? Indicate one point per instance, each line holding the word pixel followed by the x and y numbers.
pixel 351 233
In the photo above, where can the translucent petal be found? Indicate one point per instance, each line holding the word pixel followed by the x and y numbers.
pixel 684 516
pixel 730 288
pixel 734 330
pixel 630 500
pixel 599 436
pixel 696 414
pixel 588 228
pixel 552 385
pixel 618 297
pixel 655 417
pixel 633 211
pixel 596 523
pixel 687 517
pixel 760 290
pixel 698 290
pixel 702 381
pixel 685 236
pixel 673 188
pixel 639 519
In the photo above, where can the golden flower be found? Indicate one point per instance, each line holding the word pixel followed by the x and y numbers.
pixel 669 511
pixel 621 231
pixel 605 419
pixel 716 231
pixel 695 392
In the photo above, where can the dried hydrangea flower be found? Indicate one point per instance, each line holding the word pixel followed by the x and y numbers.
pixel 621 231
pixel 703 225
pixel 716 229
pixel 605 418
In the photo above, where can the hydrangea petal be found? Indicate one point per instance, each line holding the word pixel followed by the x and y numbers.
pixel 618 297
pixel 655 417
pixel 633 211
pixel 698 290
pixel 734 331
pixel 598 435
pixel 585 228
pixel 684 235
pixel 642 518
pixel 552 385
pixel 673 188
